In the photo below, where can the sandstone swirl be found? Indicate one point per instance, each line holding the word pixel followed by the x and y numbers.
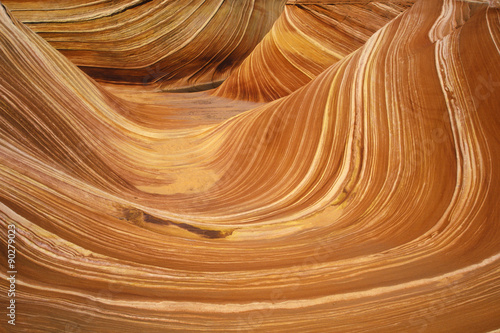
pixel 306 39
pixel 365 199
pixel 169 44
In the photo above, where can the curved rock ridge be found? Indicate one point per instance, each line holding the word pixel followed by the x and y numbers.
pixel 172 45
pixel 306 39
pixel 365 200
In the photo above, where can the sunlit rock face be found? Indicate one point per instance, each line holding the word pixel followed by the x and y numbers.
pixel 173 45
pixel 309 37
pixel 362 196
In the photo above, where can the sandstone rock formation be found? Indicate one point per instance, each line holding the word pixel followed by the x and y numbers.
pixel 306 39
pixel 364 199
pixel 172 45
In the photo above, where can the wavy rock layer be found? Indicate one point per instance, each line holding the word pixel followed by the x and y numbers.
pixel 366 200
pixel 304 41
pixel 169 44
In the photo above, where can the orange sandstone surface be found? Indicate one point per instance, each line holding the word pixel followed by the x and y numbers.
pixel 343 177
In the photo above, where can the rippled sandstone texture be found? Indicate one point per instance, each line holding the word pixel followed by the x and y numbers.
pixel 306 40
pixel 365 200
pixel 173 45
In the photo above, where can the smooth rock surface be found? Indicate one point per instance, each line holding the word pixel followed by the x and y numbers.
pixel 362 198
